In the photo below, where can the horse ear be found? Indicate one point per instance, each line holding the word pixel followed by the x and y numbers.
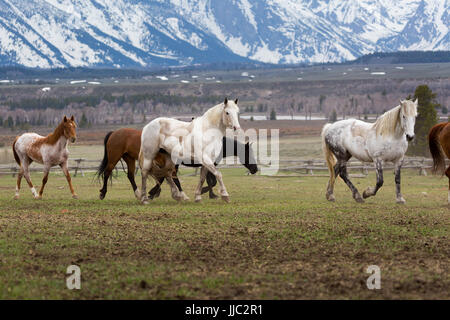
pixel 236 101
pixel 416 102
pixel 226 101
pixel 72 118
pixel 65 119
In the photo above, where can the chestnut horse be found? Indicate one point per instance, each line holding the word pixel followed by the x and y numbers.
pixel 49 151
pixel 439 143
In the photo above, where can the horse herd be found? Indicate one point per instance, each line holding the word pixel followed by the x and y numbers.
pixel 165 143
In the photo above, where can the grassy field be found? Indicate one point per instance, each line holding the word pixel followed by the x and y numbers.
pixel 278 239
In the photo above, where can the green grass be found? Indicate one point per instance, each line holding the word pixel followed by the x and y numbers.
pixel 278 239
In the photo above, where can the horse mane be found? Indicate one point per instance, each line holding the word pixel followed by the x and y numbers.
pixel 386 124
pixel 53 137
pixel 213 114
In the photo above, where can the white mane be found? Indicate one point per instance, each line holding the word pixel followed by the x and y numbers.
pixel 387 123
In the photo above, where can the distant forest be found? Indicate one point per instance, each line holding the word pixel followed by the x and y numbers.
pixel 403 57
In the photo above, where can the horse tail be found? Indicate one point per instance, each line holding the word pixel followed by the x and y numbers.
pixel 101 169
pixel 329 156
pixel 16 156
pixel 435 148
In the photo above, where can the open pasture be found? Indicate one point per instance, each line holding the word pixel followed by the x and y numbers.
pixel 277 239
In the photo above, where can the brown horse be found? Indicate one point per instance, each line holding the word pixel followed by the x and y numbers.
pixel 439 143
pixel 49 151
pixel 125 144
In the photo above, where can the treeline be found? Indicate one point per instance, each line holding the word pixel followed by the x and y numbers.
pixel 404 57
pixel 94 100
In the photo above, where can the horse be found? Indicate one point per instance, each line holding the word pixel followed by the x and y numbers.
pixel 243 151
pixel 125 143
pixel 439 144
pixel 384 140
pixel 49 151
pixel 204 134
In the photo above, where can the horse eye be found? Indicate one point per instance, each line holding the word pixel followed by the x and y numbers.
pixel 227 112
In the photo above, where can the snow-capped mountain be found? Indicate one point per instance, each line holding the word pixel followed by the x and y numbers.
pixel 144 33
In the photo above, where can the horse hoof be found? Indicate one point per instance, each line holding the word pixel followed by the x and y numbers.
pixel 226 199
pixel 38 198
pixel 331 198
pixel 213 196
pixel 359 200
pixel 137 194
pixel 102 196
pixel 74 196
pixel 144 201
pixel 16 197
pixel 184 197
pixel 401 201
pixel 198 198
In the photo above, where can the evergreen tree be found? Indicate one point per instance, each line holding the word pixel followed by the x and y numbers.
pixel 444 110
pixel 426 118
pixel 10 122
pixel 333 116
pixel 83 121
pixel 273 115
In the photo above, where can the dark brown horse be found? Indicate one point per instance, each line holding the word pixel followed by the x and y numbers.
pixel 125 144
pixel 439 143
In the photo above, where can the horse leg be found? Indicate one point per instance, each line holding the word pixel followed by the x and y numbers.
pixel 156 190
pixel 222 189
pixel 26 174
pixel 19 180
pixel 198 191
pixel 447 173
pixel 398 166
pixel 379 171
pixel 44 180
pixel 65 169
pixel 176 194
pixel 344 176
pixel 178 184
pixel 131 168
pixel 211 181
pixel 330 187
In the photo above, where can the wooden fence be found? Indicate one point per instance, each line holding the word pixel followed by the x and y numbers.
pixel 302 167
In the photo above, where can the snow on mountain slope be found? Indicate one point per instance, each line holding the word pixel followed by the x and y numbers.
pixel 142 33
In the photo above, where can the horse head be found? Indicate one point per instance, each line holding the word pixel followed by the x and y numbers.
pixel 408 113
pixel 70 127
pixel 230 114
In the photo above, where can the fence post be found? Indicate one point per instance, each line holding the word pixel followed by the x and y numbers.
pixel 78 161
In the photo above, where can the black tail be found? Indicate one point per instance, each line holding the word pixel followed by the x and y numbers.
pixel 101 169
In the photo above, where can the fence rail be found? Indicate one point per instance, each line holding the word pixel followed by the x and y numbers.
pixel 305 167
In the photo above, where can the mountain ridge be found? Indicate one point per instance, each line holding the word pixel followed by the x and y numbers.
pixel 137 33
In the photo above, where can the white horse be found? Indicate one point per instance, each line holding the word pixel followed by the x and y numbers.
pixel 203 134
pixel 385 140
